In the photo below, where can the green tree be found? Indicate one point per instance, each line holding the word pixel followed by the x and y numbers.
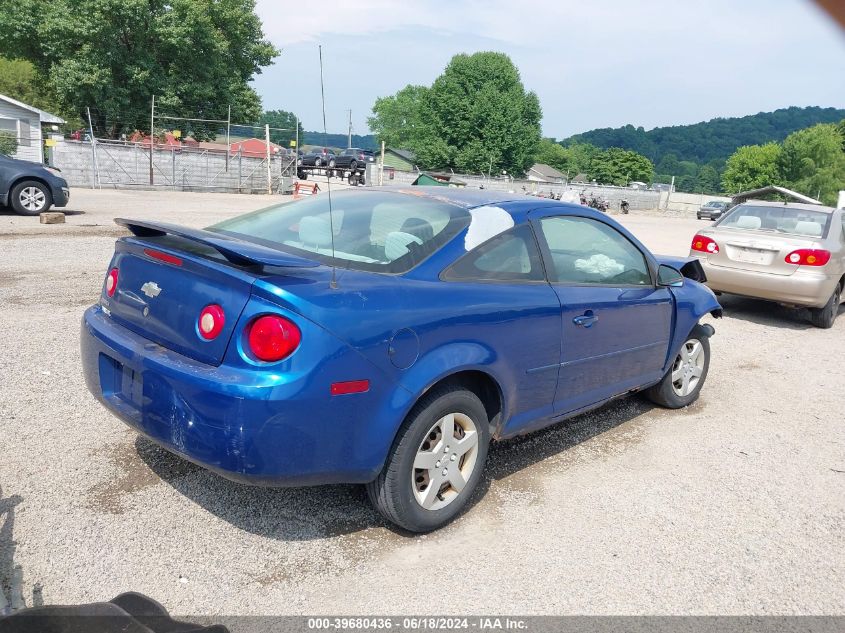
pixel 617 166
pixel 707 180
pixel 581 157
pixel 20 80
pixel 476 117
pixel 669 165
pixel 397 119
pixel 554 154
pixel 285 123
pixel 8 144
pixel 751 167
pixel 196 56
pixel 812 161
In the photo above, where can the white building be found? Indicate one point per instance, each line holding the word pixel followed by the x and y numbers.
pixel 25 122
pixel 546 174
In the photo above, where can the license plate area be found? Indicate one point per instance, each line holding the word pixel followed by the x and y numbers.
pixel 120 381
pixel 746 255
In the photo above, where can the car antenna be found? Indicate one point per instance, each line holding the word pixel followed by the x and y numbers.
pixel 333 282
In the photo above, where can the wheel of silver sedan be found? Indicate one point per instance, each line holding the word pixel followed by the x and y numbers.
pixel 688 367
pixel 32 199
pixel 445 461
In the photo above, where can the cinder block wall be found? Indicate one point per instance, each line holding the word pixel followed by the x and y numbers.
pixel 182 169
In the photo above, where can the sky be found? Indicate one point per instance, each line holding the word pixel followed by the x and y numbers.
pixel 596 63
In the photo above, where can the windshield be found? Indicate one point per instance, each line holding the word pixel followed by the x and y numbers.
pixel 780 219
pixel 375 231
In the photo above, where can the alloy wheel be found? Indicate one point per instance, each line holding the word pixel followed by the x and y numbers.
pixel 32 198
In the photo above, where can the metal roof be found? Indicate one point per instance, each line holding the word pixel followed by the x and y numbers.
pixel 547 171
pixel 800 197
pixel 43 116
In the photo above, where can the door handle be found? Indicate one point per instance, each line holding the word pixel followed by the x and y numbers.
pixel 586 320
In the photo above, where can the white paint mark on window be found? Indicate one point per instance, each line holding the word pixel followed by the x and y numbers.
pixel 486 222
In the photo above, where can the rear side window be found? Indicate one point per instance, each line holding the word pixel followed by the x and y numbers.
pixel 372 230
pixel 510 256
pixel 779 219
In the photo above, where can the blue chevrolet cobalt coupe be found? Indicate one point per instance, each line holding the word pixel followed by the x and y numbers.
pixel 385 337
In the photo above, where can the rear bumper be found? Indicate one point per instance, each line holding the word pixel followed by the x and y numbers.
pixel 247 425
pixel 802 288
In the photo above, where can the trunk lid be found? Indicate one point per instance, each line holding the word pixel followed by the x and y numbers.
pixel 169 274
pixel 162 302
pixel 762 251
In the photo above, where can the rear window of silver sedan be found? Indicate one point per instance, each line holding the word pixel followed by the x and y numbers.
pixel 779 219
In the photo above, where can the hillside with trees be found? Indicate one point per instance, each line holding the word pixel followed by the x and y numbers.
pixel 709 141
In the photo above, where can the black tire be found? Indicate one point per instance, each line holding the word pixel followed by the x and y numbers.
pixel 36 206
pixel 353 165
pixel 318 162
pixel 824 317
pixel 393 491
pixel 664 393
pixel 331 163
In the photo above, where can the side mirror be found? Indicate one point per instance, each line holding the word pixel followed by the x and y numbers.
pixel 668 276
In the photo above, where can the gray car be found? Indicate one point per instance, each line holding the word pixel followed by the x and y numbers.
pixel 31 188
pixel 790 253
pixel 712 210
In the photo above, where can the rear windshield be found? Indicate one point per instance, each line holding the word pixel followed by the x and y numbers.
pixel 374 231
pixel 779 219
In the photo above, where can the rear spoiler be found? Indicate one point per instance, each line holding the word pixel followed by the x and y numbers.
pixel 237 251
pixel 689 267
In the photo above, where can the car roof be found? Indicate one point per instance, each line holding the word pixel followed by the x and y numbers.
pixel 792 205
pixel 459 196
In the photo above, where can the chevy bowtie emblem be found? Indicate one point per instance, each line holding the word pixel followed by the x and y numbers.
pixel 151 289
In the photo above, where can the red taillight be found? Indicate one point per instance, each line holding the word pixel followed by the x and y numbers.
pixel 704 244
pixel 808 257
pixel 164 257
pixel 211 321
pixel 273 338
pixel 111 282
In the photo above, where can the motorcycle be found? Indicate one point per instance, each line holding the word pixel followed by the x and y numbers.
pixel 600 204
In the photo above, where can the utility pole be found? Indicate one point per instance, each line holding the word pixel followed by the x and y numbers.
pixel 93 147
pixel 296 149
pixel 228 126
pixel 381 167
pixel 267 142
pixel 349 139
pixel 152 134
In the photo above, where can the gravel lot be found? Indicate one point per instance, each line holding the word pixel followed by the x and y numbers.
pixel 732 506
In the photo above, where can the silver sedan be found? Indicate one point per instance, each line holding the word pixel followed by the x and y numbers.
pixel 790 253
